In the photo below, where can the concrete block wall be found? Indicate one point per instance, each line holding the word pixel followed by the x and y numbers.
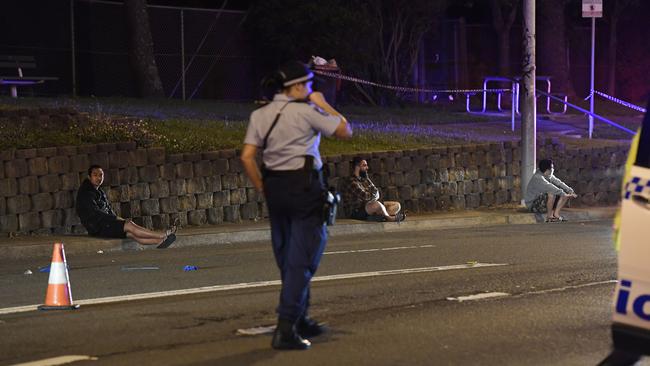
pixel 483 175
pixel 595 173
pixel 38 186
pixel 443 178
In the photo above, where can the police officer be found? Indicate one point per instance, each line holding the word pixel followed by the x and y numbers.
pixel 288 131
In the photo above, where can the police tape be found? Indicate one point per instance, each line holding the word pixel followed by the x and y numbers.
pixel 616 100
pixel 405 88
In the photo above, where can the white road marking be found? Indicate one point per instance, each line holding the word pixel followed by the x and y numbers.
pixel 484 295
pixel 60 360
pixel 404 271
pixel 237 286
pixel 256 330
pixel 569 287
pixel 378 249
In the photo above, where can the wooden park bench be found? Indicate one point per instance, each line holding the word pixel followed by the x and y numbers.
pixel 15 77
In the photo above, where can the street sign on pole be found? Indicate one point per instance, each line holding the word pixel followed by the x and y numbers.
pixel 592 8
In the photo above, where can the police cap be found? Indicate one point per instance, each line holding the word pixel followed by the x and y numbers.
pixel 294 72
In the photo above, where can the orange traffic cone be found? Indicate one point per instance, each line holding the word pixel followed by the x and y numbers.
pixel 59 296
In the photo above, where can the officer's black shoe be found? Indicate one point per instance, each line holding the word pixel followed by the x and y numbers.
pixel 285 337
pixel 308 327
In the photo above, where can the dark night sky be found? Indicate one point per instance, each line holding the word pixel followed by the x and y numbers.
pixel 205 4
pixel 43 35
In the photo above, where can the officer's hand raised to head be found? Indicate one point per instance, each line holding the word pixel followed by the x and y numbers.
pixel 343 130
pixel 317 98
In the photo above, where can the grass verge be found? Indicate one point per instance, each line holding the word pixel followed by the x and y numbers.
pixel 209 125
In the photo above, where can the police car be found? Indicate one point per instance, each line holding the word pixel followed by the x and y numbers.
pixel 631 327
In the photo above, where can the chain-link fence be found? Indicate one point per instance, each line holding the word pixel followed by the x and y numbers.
pixel 200 53
pixel 204 53
pixel 40 29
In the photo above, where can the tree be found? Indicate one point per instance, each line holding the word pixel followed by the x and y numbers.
pixel 503 16
pixel 143 63
pixel 612 12
pixel 282 30
pixel 399 27
pixel 377 40
pixel 552 42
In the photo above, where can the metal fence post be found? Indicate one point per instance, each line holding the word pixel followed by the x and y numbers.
pixel 183 53
pixel 73 51
pixel 591 90
pixel 514 90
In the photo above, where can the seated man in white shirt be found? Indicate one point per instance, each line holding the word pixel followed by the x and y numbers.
pixel 546 193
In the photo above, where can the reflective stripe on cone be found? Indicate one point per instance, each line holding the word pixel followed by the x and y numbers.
pixel 58 296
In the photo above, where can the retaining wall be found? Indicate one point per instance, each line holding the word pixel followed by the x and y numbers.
pixel 38 186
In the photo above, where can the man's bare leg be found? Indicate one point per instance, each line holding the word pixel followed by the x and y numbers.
pixel 392 207
pixel 139 232
pixel 550 201
pixel 377 208
pixel 560 203
pixel 144 241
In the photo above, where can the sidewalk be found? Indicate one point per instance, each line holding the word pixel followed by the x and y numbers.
pixel 229 233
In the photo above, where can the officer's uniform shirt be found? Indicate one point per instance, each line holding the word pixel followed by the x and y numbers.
pixel 296 134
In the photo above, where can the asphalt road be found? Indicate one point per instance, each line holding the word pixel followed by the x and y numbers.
pixel 390 299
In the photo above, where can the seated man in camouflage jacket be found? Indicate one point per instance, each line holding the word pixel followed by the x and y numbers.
pixel 361 197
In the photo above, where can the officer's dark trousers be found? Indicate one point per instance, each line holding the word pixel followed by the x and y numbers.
pixel 298 235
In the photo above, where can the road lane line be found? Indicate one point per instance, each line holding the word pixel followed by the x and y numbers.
pixel 245 285
pixel 405 271
pixel 378 249
pixel 558 289
pixel 264 329
pixel 60 360
pixel 487 295
pixel 481 296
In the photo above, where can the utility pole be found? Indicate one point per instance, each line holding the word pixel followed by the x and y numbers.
pixel 528 105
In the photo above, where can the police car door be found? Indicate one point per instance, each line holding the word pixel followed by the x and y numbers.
pixel 632 296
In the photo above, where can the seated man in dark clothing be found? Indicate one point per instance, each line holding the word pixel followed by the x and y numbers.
pixel 361 196
pixel 100 220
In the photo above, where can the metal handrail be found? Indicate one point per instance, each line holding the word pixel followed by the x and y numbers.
pixel 549 96
pixel 594 115
pixel 515 90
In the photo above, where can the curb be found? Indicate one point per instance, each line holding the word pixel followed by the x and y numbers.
pixel 87 245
